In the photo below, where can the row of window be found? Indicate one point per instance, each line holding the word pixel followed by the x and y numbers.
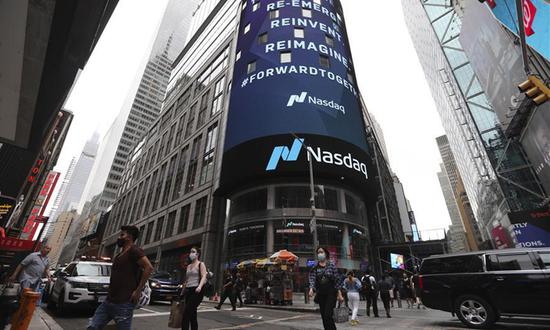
pixel 146 197
pixel 162 228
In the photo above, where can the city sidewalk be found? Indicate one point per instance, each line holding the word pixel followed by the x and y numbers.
pixel 42 321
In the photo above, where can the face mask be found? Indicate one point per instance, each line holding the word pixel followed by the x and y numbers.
pixel 321 256
pixel 192 256
pixel 120 242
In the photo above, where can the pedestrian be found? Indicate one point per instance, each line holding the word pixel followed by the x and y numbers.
pixel 353 286
pixel 32 269
pixel 385 285
pixel 398 291
pixel 371 291
pixel 228 291
pixel 193 293
pixel 325 282
pixel 408 290
pixel 129 274
pixel 239 286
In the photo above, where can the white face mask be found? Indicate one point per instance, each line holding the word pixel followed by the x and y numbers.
pixel 193 256
pixel 321 256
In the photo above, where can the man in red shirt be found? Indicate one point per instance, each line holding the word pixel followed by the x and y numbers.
pixel 129 274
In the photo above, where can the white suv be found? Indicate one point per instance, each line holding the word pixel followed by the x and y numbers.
pixel 81 284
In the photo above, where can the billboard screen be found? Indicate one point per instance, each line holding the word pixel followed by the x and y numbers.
pixel 531 228
pixel 536 17
pixel 536 143
pixel 397 261
pixel 294 91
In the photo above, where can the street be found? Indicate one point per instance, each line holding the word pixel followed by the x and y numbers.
pixel 156 317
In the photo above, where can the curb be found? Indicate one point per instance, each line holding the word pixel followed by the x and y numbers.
pixel 48 320
pixel 280 308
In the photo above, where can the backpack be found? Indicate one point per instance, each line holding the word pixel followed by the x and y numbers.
pixel 369 284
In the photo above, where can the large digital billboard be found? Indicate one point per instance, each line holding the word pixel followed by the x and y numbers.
pixel 536 18
pixel 294 96
pixel 531 228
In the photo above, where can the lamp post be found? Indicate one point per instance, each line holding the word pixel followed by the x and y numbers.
pixel 313 221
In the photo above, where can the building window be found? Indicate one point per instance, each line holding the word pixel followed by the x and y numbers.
pixel 200 212
pixel 251 67
pixel 217 103
pixel 350 77
pixel 158 230
pixel 192 170
pixel 273 14
pixel 168 182
pixel 329 40
pixel 190 121
pixel 256 6
pixel 184 218
pixel 160 183
pixel 245 2
pixel 149 233
pixel 324 61
pixel 306 12
pixel 238 56
pixel 351 207
pixel 299 33
pixel 177 193
pixel 286 57
pixel 317 1
pixel 170 224
pixel 246 28
pixel 262 38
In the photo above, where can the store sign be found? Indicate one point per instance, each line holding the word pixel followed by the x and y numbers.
pixel 7 204
pixel 536 15
pixel 35 170
pixel 36 220
pixel 531 228
pixel 14 244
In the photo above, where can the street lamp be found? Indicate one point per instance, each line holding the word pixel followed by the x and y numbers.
pixel 313 221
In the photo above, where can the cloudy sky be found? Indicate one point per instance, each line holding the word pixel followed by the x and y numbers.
pixel 388 71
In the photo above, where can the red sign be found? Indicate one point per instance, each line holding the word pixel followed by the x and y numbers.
pixel 35 218
pixel 529 11
pixel 35 170
pixel 11 244
pixel 501 238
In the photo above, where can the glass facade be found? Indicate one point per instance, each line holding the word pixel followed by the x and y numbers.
pixel 494 172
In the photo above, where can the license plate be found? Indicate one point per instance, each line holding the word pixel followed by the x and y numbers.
pixel 101 299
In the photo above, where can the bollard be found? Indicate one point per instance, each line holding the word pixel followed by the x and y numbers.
pixel 22 302
pixel 23 316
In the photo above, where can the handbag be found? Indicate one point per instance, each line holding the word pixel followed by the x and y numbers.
pixel 176 314
pixel 145 296
pixel 341 314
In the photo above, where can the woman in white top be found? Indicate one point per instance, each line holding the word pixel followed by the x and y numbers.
pixel 195 278
pixel 352 286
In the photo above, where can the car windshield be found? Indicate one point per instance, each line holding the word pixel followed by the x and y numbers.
pixel 162 276
pixel 93 270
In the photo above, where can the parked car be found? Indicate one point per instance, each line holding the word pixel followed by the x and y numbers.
pixel 82 284
pixel 480 287
pixel 163 287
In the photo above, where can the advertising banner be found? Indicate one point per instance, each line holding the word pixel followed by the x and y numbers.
pixel 36 220
pixel 536 15
pixel 531 228
pixel 397 261
pixel 495 58
pixel 536 143
pixel 7 204
pixel 294 96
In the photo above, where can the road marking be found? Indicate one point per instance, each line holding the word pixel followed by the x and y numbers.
pixel 152 314
pixel 149 310
pixel 250 325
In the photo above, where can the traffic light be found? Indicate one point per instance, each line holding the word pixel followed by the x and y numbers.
pixel 491 3
pixel 535 89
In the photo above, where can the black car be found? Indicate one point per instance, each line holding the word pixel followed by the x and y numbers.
pixel 164 287
pixel 480 287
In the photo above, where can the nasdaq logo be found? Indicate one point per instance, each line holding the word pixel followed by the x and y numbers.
pixel 296 99
pixel 303 97
pixel 287 155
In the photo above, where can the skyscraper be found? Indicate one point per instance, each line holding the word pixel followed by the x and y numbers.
pixel 144 107
pixel 61 228
pixel 216 172
pixel 494 171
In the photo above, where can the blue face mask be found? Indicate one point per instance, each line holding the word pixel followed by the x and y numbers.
pixel 321 257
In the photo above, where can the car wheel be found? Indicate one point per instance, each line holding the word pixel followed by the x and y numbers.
pixel 60 305
pixel 475 312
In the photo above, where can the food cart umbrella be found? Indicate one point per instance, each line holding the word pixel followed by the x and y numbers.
pixel 284 255
pixel 246 263
pixel 264 263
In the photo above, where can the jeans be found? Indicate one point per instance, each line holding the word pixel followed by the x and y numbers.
pixel 192 302
pixel 107 311
pixel 353 298
pixel 327 303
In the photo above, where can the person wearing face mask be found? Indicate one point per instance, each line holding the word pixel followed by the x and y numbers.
pixel 325 282
pixel 352 286
pixel 126 283
pixel 195 278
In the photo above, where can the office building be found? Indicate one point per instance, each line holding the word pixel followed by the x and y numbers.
pixel 202 152
pixel 404 211
pixel 60 230
pixel 69 198
pixel 44 45
pixel 137 115
pixel 495 172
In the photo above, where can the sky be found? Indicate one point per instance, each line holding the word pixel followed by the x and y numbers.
pixel 387 68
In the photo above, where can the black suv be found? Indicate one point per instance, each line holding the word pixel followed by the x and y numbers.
pixel 480 287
